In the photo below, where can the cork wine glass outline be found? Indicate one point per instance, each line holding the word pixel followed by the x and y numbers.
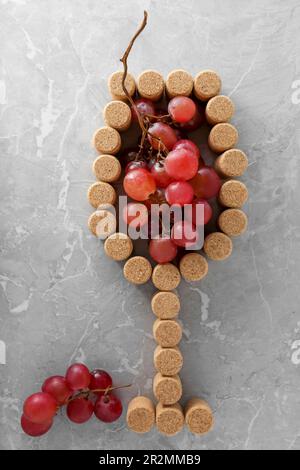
pixel 161 109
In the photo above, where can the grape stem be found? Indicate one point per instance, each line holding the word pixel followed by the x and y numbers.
pixel 107 390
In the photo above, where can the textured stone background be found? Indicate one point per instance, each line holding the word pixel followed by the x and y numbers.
pixel 61 300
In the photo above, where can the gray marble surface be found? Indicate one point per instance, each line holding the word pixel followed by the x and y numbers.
pixel 62 300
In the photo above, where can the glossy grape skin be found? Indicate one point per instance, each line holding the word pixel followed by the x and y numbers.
pixel 181 164
pixel 191 212
pixel 197 121
pixel 58 388
pixel 206 183
pixel 181 109
pixel 160 175
pixel 100 379
pixel 108 408
pixel 78 377
pixel 80 410
pixel 135 214
pixel 144 106
pixel 40 407
pixel 184 233
pixel 134 165
pixel 165 133
pixel 187 144
pixel 35 429
pixel 162 250
pixel 139 184
pixel 179 192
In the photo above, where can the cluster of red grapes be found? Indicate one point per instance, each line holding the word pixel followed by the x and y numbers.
pixel 84 393
pixel 169 169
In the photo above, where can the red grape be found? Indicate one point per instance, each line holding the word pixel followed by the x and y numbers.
pixel 181 109
pixel 129 156
pixel 144 107
pixel 58 388
pixel 80 410
pixel 187 144
pixel 181 164
pixel 135 214
pixel 78 377
pixel 139 184
pixel 179 192
pixel 160 175
pixel 35 429
pixel 39 407
pixel 108 408
pixel 100 380
pixel 162 250
pixel 134 165
pixel 195 122
pixel 164 132
pixel 206 183
pixel 191 212
pixel 184 233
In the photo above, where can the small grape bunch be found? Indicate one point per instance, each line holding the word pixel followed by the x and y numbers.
pixel 82 392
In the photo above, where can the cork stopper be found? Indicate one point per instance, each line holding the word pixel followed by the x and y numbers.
pixel 107 140
pixel 150 84
pixel 168 361
pixel 233 194
pixel 219 109
pixel 222 137
pixel 198 416
pixel 169 419
pixel 115 85
pixel 140 414
pixel 179 83
pixel 102 223
pixel 167 390
pixel 193 267
pixel 231 163
pixel 233 222
pixel 101 193
pixel 217 246
pixel 207 84
pixel 107 168
pixel 118 246
pixel 137 270
pixel 167 333
pixel 166 276
pixel 117 114
pixel 165 305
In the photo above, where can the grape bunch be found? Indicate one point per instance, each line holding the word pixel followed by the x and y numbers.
pixel 168 168
pixel 82 392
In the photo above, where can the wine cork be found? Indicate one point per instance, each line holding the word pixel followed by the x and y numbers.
pixel 118 246
pixel 219 109
pixel 140 414
pixel 198 416
pixel 179 83
pixel 231 163
pixel 167 333
pixel 193 267
pixel 165 305
pixel 233 222
pixel 168 361
pixel 222 137
pixel 150 84
pixel 115 85
pixel 166 276
pixel 107 168
pixel 101 193
pixel 102 223
pixel 169 419
pixel 207 84
pixel 137 270
pixel 167 390
pixel 107 140
pixel 233 194
pixel 117 114
pixel 217 246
